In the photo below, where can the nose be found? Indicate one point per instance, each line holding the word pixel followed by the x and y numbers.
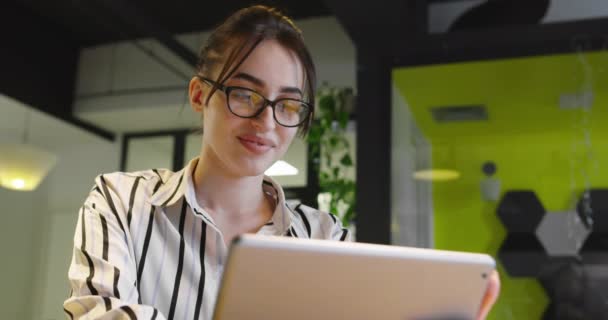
pixel 265 120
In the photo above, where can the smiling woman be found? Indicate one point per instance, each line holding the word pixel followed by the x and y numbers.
pixel 146 239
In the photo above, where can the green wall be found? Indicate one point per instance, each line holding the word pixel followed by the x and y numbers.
pixel 535 144
pixel 463 221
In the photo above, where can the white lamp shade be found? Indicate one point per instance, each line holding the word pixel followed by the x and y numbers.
pixel 23 167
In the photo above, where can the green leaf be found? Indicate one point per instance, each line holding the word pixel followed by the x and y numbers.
pixel 343 119
pixel 346 160
pixel 346 144
pixel 325 124
pixel 328 159
pixel 333 141
pixel 328 143
pixel 314 135
pixel 324 176
pixel 348 216
pixel 327 104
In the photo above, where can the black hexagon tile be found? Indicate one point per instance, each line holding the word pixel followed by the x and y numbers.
pixel 595 248
pixel 593 209
pixel 520 211
pixel 522 255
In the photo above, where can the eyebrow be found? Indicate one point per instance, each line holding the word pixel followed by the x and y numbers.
pixel 258 82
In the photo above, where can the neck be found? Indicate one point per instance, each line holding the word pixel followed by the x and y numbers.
pixel 221 193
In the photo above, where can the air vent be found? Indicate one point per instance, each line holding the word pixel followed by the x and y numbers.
pixel 459 113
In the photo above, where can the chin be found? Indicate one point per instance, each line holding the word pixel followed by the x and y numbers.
pixel 252 168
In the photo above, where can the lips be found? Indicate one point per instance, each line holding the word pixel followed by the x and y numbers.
pixel 255 144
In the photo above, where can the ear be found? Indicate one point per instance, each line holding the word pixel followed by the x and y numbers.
pixel 196 94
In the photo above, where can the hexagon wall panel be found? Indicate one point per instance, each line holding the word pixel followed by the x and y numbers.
pixel 522 255
pixel 579 293
pixel 595 249
pixel 520 211
pixel 558 248
pixel 562 233
pixel 593 209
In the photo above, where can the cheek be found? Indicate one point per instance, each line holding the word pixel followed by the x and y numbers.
pixel 216 121
pixel 287 135
pixel 214 129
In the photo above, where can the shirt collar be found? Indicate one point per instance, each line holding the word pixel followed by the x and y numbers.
pixel 172 189
pixel 180 184
pixel 281 218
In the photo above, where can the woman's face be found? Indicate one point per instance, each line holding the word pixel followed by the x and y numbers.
pixel 247 147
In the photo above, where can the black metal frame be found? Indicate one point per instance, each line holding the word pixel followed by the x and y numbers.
pixel 501 43
pixel 373 218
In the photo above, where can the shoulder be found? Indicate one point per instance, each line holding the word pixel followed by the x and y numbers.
pixel 318 224
pixel 121 185
pixel 311 214
pixel 118 180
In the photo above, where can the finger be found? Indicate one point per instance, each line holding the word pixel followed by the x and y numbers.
pixel 490 297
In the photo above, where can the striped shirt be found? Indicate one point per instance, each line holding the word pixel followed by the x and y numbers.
pixel 145 249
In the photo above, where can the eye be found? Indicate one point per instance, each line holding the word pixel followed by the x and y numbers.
pixel 290 106
pixel 242 95
pixel 246 97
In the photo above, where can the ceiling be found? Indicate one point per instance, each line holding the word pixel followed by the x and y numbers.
pixel 51 35
pixel 43 40
pixel 52 134
pixel 92 22
pixel 521 96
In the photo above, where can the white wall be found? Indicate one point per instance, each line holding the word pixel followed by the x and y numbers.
pixel 332 51
pixel 67 187
pixel 18 211
pixel 38 227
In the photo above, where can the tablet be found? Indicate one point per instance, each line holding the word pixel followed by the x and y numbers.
pixel 287 278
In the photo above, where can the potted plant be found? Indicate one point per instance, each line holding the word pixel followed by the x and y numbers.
pixel 331 151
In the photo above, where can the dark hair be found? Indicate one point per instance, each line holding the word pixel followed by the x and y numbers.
pixel 241 33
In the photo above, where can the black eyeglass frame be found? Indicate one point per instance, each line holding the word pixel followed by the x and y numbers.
pixel 267 102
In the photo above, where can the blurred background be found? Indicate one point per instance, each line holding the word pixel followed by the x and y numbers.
pixel 471 125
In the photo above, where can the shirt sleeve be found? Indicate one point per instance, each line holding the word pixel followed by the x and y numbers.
pixel 338 231
pixel 103 272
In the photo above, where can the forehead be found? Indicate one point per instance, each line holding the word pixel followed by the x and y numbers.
pixel 274 64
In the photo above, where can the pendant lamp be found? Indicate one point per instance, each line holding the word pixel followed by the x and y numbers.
pixel 24 166
pixel 442 169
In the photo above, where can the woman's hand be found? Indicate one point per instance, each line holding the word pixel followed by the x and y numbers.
pixel 490 297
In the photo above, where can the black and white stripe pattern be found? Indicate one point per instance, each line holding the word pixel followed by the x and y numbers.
pixel 144 249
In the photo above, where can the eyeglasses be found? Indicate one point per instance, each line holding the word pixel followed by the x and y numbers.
pixel 246 103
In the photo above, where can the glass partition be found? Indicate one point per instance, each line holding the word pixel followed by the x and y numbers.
pixel 513 156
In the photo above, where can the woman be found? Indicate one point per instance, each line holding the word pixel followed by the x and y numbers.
pixel 146 240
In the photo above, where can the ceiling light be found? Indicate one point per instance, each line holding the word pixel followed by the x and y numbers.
pixel 18 183
pixel 436 175
pixel 281 168
pixel 23 167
